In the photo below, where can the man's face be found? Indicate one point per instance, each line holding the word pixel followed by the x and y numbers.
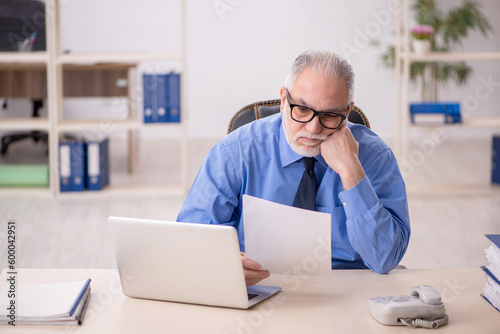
pixel 317 92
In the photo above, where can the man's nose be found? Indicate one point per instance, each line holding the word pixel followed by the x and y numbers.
pixel 314 126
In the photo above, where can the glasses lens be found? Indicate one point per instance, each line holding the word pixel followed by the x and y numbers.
pixel 302 114
pixel 331 120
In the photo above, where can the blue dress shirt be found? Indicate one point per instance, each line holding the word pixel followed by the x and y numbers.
pixel 370 222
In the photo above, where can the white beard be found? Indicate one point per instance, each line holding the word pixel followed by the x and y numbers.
pixel 304 150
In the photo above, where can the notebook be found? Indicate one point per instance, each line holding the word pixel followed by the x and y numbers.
pixel 183 262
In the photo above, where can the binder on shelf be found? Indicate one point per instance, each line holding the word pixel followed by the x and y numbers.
pixel 495 157
pixel 162 95
pixel 72 165
pixel 161 98
pixel 174 97
pixel 450 111
pixel 149 85
pixel 491 292
pixel 97 164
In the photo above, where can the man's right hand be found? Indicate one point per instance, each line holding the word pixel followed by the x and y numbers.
pixel 253 271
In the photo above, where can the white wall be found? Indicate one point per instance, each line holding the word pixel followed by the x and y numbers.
pixel 240 51
pixel 242 55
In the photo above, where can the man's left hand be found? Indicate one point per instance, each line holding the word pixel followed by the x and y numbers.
pixel 340 151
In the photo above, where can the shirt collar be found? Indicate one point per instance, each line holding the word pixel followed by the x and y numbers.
pixel 289 156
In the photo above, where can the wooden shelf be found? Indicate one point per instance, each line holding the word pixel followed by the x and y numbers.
pixel 456 190
pixel 482 122
pixel 113 124
pixel 25 191
pixel 473 123
pixel 128 191
pixel 53 68
pixel 24 124
pixel 402 125
pixel 104 124
pixel 454 56
pixel 103 58
pixel 24 57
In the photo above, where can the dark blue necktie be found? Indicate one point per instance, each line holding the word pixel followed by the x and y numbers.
pixel 306 193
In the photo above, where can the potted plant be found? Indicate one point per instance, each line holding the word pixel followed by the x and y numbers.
pixel 448 31
pixel 422 35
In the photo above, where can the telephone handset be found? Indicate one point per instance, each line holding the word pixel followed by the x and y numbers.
pixel 422 308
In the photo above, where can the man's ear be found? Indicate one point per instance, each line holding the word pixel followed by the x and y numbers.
pixel 283 99
pixel 350 109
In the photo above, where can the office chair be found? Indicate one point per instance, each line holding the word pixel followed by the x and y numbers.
pixel 35 135
pixel 263 109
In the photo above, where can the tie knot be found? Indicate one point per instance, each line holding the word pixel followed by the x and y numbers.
pixel 308 163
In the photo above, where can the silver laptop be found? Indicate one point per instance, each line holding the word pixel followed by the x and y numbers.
pixel 182 262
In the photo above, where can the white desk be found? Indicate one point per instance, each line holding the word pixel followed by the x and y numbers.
pixel 334 303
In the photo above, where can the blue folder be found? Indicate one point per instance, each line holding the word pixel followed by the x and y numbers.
pixel 162 98
pixel 72 165
pixel 149 85
pixel 174 97
pixel 97 164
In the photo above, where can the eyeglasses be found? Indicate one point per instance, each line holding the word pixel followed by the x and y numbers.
pixel 302 114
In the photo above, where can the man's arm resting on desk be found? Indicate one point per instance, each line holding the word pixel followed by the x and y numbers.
pixel 377 216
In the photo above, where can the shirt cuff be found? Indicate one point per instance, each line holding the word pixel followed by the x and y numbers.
pixel 359 198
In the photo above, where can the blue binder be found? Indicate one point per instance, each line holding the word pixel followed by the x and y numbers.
pixel 174 97
pixel 150 101
pixel 72 166
pixel 162 96
pixel 451 111
pixel 495 239
pixel 97 164
pixel 495 163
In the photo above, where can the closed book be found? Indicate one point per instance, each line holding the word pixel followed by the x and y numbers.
pixel 72 165
pixel 97 164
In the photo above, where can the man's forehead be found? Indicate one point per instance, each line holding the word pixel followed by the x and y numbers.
pixel 314 94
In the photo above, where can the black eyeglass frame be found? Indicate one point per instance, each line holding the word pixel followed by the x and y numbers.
pixel 317 113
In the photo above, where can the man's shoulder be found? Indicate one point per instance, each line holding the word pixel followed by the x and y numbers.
pixel 367 138
pixel 256 131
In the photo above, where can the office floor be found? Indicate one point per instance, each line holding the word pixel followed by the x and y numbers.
pixel 448 227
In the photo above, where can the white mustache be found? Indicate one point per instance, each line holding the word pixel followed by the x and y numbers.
pixel 309 136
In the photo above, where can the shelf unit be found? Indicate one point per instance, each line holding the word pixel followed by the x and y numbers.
pixel 53 61
pixel 403 60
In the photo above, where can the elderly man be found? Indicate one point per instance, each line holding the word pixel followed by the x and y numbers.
pixel 354 174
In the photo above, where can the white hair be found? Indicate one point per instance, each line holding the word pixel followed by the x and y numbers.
pixel 325 62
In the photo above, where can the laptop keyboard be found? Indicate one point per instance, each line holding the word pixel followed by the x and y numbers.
pixel 252 295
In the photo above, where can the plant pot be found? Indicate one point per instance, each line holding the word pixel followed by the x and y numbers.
pixel 421 46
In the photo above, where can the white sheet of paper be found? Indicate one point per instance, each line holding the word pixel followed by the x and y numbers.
pixel 287 240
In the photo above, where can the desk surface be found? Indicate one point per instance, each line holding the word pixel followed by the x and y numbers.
pixel 321 304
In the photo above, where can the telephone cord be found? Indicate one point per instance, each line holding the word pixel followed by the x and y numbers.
pixel 425 323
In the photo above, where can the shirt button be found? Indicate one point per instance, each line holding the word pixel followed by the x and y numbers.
pixel 344 204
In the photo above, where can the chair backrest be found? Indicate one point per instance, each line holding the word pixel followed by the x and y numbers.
pixel 263 109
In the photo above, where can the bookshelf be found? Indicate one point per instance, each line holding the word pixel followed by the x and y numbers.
pixel 54 62
pixel 404 57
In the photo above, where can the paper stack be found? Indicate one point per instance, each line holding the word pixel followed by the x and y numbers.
pixel 491 290
pixel 44 304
